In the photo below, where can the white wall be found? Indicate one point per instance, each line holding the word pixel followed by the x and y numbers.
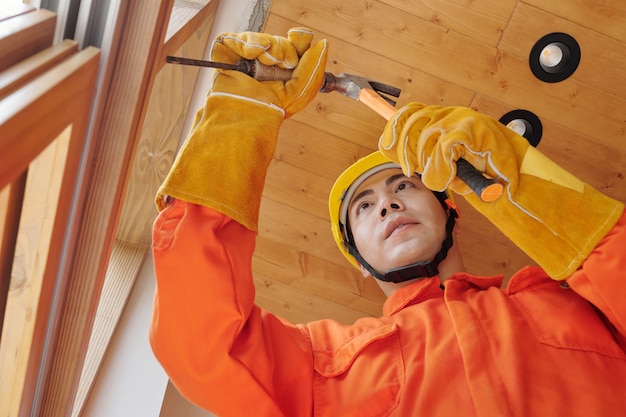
pixel 131 382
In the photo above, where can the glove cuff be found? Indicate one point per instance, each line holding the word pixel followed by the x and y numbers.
pixel 224 160
pixel 553 217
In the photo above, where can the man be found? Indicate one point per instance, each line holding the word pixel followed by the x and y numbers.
pixel 551 343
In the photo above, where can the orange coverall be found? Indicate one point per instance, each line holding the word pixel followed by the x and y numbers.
pixel 537 348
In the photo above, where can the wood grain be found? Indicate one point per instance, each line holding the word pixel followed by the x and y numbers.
pixel 26 70
pixel 25 34
pixel 484 21
pixel 158 141
pixel 605 17
pixel 601 55
pixel 115 138
pixel 27 278
pixel 31 118
pixel 438 52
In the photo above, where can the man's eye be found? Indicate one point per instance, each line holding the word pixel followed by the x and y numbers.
pixel 403 185
pixel 362 206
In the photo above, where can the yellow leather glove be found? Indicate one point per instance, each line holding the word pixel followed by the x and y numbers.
pixel 224 160
pixel 550 214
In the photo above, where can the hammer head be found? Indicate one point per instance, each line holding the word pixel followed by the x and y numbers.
pixel 351 85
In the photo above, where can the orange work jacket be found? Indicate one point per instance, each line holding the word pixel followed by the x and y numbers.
pixel 536 348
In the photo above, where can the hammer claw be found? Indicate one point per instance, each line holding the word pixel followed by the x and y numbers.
pixel 353 85
pixel 385 88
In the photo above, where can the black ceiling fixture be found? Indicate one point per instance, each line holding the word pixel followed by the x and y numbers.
pixel 554 57
pixel 524 123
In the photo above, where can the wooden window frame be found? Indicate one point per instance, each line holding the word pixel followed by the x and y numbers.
pixel 132 55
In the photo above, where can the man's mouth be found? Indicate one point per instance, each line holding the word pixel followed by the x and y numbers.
pixel 396 226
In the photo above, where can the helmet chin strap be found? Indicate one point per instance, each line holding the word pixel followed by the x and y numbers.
pixel 416 270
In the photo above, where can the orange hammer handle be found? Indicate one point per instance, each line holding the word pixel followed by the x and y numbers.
pixel 486 188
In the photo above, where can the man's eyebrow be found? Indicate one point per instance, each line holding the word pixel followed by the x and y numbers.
pixel 389 180
pixel 393 178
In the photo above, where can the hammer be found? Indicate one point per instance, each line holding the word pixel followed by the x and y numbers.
pixel 369 92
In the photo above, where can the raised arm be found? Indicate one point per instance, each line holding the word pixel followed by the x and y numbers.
pixel 220 350
pixel 557 219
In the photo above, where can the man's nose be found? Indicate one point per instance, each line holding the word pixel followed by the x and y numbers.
pixel 386 206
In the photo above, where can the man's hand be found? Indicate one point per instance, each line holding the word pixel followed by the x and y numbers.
pixel 223 163
pixel 293 52
pixel 546 211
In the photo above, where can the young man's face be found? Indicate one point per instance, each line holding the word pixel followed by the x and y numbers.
pixel 396 221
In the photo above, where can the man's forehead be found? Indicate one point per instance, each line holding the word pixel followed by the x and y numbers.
pixel 385 176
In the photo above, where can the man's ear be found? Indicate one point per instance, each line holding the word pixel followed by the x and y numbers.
pixel 365 272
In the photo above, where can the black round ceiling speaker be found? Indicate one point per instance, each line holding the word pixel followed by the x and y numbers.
pixel 524 123
pixel 554 57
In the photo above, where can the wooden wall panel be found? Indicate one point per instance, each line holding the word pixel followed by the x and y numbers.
pixel 465 63
pixel 470 53
pixel 575 152
pixel 299 230
pixel 316 151
pixel 25 34
pixel 339 283
pixel 397 35
pixel 606 17
pixel 484 21
pixel 26 70
pixel 287 301
pixel 601 55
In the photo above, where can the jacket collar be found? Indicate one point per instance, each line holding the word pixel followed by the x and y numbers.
pixel 429 288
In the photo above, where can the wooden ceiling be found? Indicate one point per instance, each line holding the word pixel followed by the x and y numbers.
pixel 447 52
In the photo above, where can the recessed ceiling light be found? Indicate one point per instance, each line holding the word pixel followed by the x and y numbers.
pixel 554 57
pixel 524 123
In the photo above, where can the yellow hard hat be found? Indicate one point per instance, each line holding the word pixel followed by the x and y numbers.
pixel 340 195
pixel 342 192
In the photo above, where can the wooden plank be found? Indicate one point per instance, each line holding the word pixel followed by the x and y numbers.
pixel 299 189
pixel 299 306
pixel 405 38
pixel 59 98
pixel 305 233
pixel 602 65
pixel 345 118
pixel 26 70
pixel 11 202
pixel 340 283
pixel 473 65
pixel 159 139
pixel 606 16
pixel 187 16
pixel 599 165
pixel 19 346
pixel 482 20
pixel 316 151
pixel 24 35
pixel 485 250
pixel 115 137
pixel 351 58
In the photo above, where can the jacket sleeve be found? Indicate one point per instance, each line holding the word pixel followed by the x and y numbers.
pixel 602 278
pixel 221 351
